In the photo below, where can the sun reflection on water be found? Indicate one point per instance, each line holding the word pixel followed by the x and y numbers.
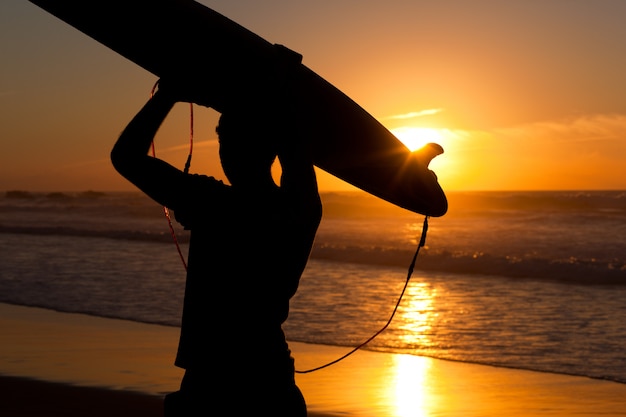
pixel 410 385
pixel 416 315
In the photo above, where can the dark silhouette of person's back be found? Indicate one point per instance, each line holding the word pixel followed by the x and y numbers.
pixel 249 244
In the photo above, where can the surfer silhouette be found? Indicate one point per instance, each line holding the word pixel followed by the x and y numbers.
pixel 250 241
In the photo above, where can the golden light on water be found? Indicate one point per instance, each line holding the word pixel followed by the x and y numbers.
pixel 416 315
pixel 410 387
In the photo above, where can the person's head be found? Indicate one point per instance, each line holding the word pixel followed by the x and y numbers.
pixel 247 150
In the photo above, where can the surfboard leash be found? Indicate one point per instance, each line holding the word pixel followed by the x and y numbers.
pixel 166 211
pixel 421 244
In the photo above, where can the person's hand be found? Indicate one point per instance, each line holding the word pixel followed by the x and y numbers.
pixel 185 90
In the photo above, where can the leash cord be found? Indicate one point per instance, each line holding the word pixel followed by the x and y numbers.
pixel 186 170
pixel 421 244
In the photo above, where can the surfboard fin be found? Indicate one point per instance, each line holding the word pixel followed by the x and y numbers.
pixel 426 153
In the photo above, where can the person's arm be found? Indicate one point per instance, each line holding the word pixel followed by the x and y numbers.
pixel 129 156
pixel 298 176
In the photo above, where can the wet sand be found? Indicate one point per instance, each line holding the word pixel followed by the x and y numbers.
pixel 59 364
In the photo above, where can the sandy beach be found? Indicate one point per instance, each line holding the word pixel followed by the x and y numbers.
pixel 59 364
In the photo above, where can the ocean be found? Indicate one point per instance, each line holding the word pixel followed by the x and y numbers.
pixel 527 280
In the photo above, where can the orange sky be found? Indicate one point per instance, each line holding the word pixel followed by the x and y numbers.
pixel 521 94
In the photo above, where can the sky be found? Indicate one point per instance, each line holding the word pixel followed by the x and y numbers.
pixel 522 95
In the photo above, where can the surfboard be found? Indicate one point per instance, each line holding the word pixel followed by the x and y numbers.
pixel 183 38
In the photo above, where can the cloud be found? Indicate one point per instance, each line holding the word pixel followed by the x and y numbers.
pixel 411 115
pixel 210 143
pixel 587 128
pixel 584 152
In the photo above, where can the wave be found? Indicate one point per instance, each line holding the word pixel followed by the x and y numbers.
pixel 131 235
pixel 567 270
pixel 571 270
pixel 573 237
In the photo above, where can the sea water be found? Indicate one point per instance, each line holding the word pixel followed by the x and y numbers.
pixel 530 280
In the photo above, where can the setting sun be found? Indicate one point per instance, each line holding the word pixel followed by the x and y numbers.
pixel 416 137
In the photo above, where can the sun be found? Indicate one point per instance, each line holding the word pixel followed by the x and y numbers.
pixel 416 137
